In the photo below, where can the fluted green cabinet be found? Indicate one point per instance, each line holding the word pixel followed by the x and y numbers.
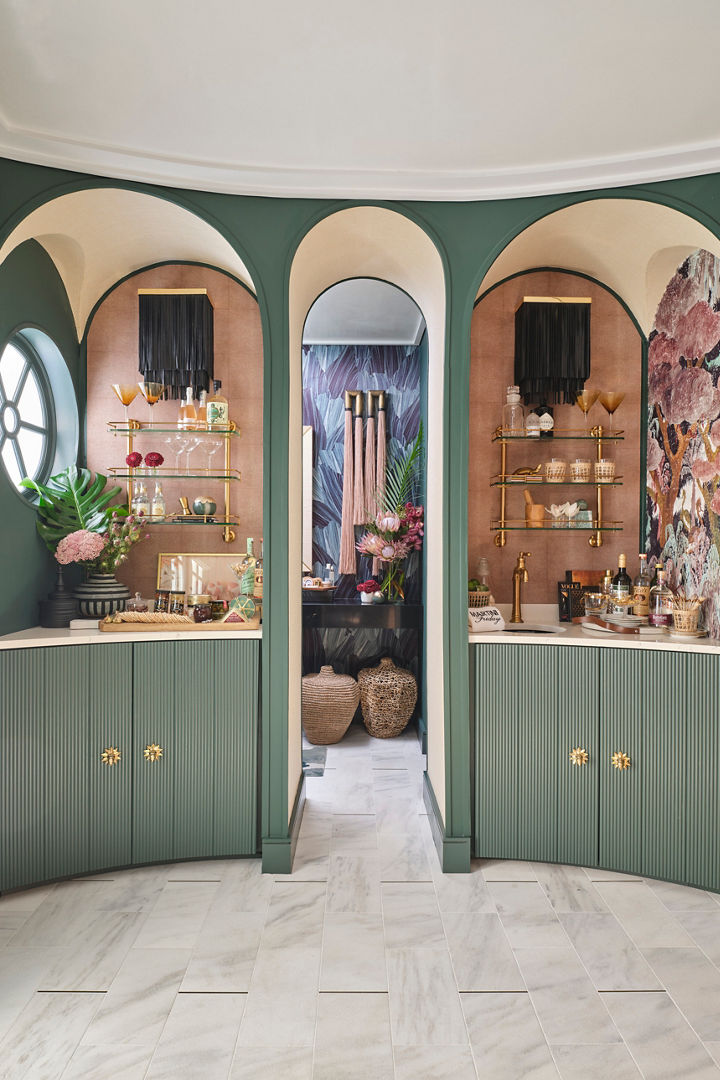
pixel 65 809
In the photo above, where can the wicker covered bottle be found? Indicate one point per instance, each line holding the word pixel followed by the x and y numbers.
pixel 329 702
pixel 387 698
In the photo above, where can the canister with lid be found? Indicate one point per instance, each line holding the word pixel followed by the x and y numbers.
pixel 198 607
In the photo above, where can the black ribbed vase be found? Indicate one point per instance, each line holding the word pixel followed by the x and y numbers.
pixel 101 595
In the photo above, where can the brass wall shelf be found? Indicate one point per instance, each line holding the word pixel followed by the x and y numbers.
pixel 137 427
pixel 505 480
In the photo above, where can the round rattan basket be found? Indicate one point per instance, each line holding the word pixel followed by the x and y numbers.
pixel 387 698
pixel 478 599
pixel 329 702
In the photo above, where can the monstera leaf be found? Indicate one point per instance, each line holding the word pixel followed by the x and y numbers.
pixel 72 500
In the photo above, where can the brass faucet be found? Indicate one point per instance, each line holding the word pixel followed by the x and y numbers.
pixel 520 574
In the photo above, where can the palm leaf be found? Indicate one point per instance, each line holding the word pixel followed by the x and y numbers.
pixel 72 500
pixel 403 475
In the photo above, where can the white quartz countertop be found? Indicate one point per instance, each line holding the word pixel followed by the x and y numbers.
pixel 41 636
pixel 574 634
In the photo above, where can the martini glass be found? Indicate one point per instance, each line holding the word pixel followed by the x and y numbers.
pixel 152 392
pixel 610 399
pixel 126 394
pixel 586 399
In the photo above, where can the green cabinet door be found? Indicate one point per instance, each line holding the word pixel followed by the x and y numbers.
pixel 700 716
pixel 643 806
pixel 577 673
pixel 516 751
pixel 108 803
pixel 154 751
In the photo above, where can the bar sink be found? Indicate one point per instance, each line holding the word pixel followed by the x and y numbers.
pixel 534 628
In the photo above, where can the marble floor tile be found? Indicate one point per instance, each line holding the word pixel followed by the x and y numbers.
pixel 642 915
pixel 21 971
pixel 244 888
pixel 93 1062
pixel 596 874
pixel 136 1006
pixel 352 1040
pixel 45 1035
pixel 311 860
pixel 134 890
pixel 353 834
pixel 25 900
pixel 461 892
pixel 608 1062
pixel 178 915
pixel 199 1038
pixel 526 915
pixel 693 982
pixel 612 961
pixel 403 857
pixel 662 1043
pixel 704 929
pixel 92 964
pixel 567 888
pixel 481 955
pixel 353 954
pixel 398 816
pixel 11 920
pixel 434 1063
pixel 316 824
pixel 506 1038
pixel 281 1005
pixel 424 1000
pixel 60 920
pixel 353 883
pixel 197 870
pixel 405 783
pixel 682 897
pixel 713 1049
pixel 567 1004
pixel 295 916
pixel 268 1063
pixel 353 791
pixel 506 870
pixel 411 916
pixel 224 955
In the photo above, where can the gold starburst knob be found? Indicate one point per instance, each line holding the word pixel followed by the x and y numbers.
pixel 620 760
pixel 111 755
pixel 579 756
pixel 153 752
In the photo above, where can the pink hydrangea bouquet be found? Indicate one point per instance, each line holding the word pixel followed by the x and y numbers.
pixel 101 552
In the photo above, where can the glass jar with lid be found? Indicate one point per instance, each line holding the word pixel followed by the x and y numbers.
pixel 198 607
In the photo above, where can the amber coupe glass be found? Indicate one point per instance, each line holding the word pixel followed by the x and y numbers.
pixel 610 399
pixel 126 394
pixel 152 392
pixel 586 399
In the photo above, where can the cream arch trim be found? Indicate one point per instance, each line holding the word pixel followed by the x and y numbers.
pixel 369 241
pixel 97 236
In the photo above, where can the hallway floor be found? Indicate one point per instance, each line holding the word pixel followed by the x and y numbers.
pixel 366 962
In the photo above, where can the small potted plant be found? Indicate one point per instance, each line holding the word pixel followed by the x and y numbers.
pixel 370 592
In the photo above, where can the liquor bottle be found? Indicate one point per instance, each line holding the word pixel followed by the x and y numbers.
pixel 202 411
pixel 158 508
pixel 513 414
pixel 218 414
pixel 259 574
pixel 607 583
pixel 188 417
pixel 547 421
pixel 660 603
pixel 621 589
pixel 140 501
pixel 532 424
pixel 641 589
pixel 658 567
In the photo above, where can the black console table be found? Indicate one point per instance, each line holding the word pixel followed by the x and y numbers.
pixel 353 614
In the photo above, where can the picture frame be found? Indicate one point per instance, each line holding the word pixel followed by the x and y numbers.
pixel 200 572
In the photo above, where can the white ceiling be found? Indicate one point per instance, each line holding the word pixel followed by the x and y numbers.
pixel 364 311
pixel 468 100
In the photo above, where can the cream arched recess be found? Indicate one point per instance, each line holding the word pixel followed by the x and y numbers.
pixel 97 236
pixel 369 241
pixel 631 246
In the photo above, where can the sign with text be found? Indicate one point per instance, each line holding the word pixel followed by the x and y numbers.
pixel 485 620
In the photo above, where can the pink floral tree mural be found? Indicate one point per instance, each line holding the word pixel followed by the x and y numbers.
pixel 683 450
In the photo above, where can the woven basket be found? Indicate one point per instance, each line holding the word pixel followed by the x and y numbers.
pixel 478 599
pixel 686 620
pixel 387 698
pixel 329 702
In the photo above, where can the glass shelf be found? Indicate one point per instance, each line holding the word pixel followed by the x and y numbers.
pixel 523 480
pixel 138 427
pixel 566 435
pixel 547 526
pixel 122 472
pixel 191 519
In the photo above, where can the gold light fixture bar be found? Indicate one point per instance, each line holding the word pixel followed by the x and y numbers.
pixel 554 300
pixel 174 292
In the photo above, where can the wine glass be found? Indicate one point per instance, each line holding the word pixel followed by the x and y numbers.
pixel 126 394
pixel 152 392
pixel 213 446
pixel 586 399
pixel 176 443
pixel 610 399
pixel 190 444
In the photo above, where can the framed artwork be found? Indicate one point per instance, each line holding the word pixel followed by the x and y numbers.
pixel 200 573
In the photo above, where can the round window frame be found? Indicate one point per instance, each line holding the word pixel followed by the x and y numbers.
pixel 58 398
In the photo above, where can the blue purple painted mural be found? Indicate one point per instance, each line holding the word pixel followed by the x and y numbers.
pixel 683 448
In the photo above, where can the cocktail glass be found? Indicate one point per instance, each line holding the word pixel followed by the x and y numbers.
pixel 126 394
pixel 152 392
pixel 610 399
pixel 586 399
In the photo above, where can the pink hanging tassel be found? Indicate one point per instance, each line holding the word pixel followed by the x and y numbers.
pixel 380 469
pixel 370 507
pixel 347 532
pixel 359 488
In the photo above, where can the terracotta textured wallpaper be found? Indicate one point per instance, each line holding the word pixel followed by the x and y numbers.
pixel 683 450
pixel 616 364
pixel 113 357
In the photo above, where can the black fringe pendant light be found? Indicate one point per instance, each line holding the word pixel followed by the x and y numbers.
pixel 552 348
pixel 176 339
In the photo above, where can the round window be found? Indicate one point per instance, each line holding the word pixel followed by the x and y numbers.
pixel 27 416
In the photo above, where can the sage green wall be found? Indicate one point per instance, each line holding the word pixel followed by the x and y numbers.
pixel 266 233
pixel 31 294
